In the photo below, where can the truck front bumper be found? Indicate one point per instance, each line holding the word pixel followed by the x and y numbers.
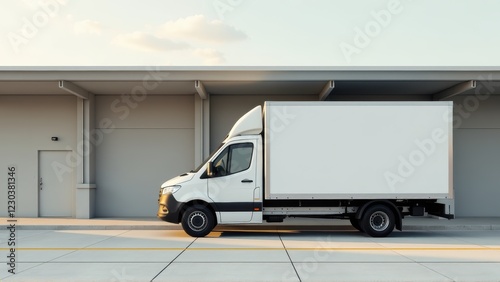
pixel 169 208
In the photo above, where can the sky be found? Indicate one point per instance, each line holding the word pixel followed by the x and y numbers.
pixel 249 33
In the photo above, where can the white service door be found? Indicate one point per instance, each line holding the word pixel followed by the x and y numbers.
pixel 232 187
pixel 55 184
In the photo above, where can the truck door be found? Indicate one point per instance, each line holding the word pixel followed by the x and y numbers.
pixel 234 181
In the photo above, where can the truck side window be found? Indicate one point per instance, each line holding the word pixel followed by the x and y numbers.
pixel 240 157
pixel 234 159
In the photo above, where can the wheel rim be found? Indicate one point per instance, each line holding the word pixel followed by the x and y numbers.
pixel 197 221
pixel 379 221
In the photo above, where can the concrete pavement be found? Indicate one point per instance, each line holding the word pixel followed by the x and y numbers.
pixel 120 249
pixel 251 255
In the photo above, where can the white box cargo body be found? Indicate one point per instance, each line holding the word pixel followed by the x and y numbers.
pixel 358 150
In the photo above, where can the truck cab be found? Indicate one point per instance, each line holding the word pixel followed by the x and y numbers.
pixel 225 189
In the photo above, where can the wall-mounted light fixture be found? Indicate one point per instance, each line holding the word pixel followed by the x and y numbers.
pixel 54 138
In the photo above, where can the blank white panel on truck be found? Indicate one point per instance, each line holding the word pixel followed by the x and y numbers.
pixel 358 150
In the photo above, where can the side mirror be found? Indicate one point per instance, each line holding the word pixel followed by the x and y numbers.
pixel 210 169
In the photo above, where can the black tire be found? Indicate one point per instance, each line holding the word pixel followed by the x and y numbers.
pixel 355 223
pixel 198 221
pixel 378 221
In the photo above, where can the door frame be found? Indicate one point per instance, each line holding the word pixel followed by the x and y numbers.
pixel 73 185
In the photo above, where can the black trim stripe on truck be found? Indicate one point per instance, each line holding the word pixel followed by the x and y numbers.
pixel 238 206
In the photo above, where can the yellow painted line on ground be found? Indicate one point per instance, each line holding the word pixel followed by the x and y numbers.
pixel 258 249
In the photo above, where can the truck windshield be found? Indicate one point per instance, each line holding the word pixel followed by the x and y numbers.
pixel 203 163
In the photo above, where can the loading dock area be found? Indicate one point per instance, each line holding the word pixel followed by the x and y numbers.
pixel 107 137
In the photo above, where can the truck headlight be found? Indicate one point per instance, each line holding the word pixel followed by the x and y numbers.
pixel 171 189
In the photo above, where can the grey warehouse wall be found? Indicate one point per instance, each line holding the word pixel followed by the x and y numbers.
pixel 27 124
pixel 477 156
pixel 148 145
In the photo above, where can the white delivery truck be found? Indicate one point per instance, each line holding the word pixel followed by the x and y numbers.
pixel 370 162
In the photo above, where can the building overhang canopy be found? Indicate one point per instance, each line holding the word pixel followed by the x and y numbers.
pixel 371 83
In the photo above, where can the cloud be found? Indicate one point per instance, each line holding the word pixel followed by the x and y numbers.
pixel 147 42
pixel 210 56
pixel 194 34
pixel 87 27
pixel 198 27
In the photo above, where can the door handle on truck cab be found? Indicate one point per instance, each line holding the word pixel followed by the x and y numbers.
pixel 246 181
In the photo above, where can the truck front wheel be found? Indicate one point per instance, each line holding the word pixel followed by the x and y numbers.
pixel 198 221
pixel 378 221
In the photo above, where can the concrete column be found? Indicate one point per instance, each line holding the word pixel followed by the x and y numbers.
pixel 85 188
pixel 201 129
pixel 206 128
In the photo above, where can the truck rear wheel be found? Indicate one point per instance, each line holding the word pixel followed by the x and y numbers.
pixel 198 221
pixel 378 221
pixel 355 223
